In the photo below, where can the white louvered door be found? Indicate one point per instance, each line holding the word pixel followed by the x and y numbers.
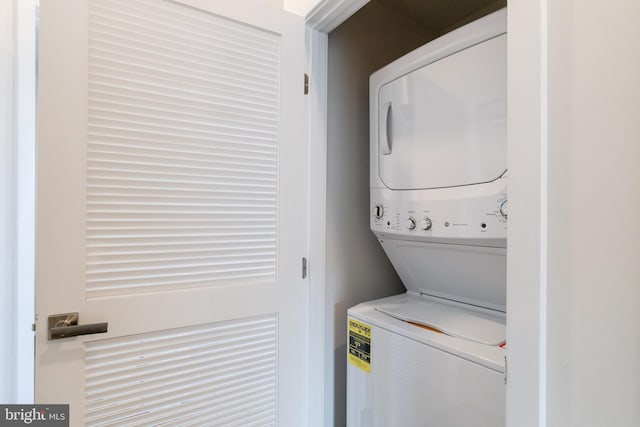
pixel 171 177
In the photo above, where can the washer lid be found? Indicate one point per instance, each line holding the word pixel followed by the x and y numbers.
pixel 472 275
pixel 450 320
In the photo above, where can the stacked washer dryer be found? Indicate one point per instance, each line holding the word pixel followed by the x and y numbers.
pixel 435 355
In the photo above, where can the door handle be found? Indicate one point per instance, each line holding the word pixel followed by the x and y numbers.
pixel 384 128
pixel 66 325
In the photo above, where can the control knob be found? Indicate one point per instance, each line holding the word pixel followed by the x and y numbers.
pixel 425 224
pixel 379 211
pixel 503 209
pixel 411 223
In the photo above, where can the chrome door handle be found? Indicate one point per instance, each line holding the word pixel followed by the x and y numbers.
pixel 66 325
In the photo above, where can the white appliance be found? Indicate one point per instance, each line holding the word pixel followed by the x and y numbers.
pixel 435 356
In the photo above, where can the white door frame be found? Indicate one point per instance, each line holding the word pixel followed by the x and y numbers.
pixel 527 160
pixel 527 253
pixel 17 197
pixel 325 17
pixel 316 42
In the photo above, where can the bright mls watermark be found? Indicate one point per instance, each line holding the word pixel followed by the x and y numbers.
pixel 34 415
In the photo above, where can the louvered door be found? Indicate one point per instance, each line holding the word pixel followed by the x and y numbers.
pixel 171 170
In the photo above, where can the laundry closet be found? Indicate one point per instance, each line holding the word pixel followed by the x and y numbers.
pixel 357 269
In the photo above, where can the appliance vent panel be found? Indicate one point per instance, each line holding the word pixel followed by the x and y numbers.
pixel 216 374
pixel 183 130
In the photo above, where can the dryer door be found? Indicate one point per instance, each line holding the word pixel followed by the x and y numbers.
pixel 444 124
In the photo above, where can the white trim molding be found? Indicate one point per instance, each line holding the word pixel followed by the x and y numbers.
pixel 317 42
pixel 17 198
pixel 528 193
pixel 25 160
pixel 328 14
pixel 325 17
pixel 7 199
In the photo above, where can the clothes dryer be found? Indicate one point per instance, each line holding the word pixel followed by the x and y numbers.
pixel 435 356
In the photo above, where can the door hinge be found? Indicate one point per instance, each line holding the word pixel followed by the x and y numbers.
pixel 505 370
pixel 304 267
pixel 33 327
pixel 306 83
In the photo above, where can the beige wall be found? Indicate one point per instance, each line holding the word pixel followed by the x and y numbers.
pixel 299 7
pixel 278 3
pixel 357 268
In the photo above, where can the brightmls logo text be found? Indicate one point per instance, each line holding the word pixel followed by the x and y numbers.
pixel 26 416
pixel 36 415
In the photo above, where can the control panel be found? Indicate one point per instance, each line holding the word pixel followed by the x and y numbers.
pixel 441 216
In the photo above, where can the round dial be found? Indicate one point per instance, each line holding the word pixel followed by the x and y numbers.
pixel 379 211
pixel 411 223
pixel 425 224
pixel 503 208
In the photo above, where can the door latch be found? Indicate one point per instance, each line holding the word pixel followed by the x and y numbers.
pixel 66 325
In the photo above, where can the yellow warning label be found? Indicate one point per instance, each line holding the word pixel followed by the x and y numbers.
pixel 359 345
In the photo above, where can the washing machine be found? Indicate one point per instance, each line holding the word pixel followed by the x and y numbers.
pixel 435 356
